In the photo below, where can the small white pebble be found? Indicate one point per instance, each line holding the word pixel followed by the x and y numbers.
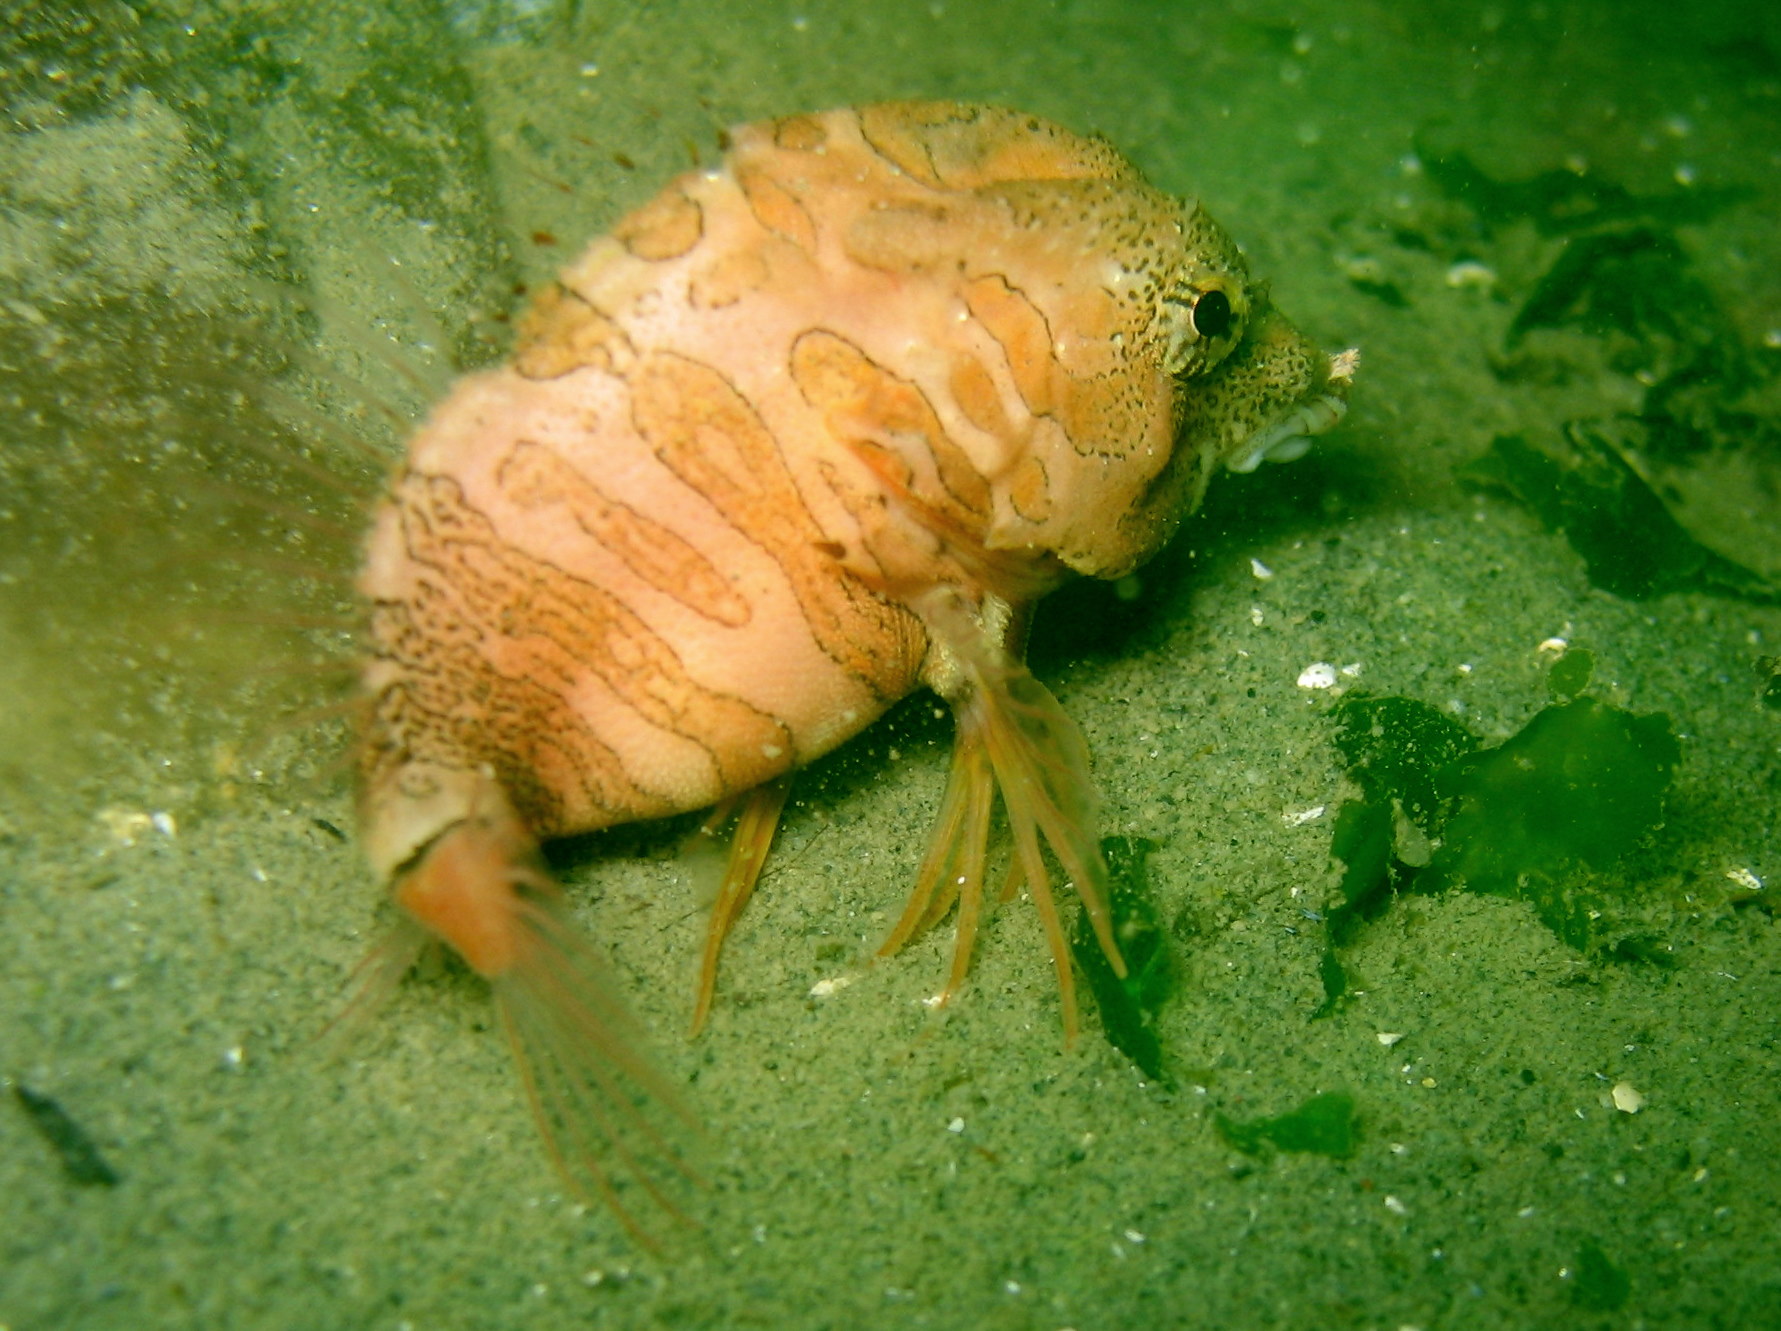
pixel 1471 275
pixel 823 988
pixel 1395 1206
pixel 1389 1038
pixel 1745 878
pixel 1626 1099
pixel 1303 816
pixel 1553 645
pixel 1260 569
pixel 956 1126
pixel 1317 675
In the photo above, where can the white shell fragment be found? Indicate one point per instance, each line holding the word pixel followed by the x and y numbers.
pixel 1318 675
pixel 1470 274
pixel 1745 878
pixel 1626 1099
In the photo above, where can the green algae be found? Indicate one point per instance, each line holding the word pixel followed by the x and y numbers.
pixel 1598 1285
pixel 1627 537
pixel 1129 1004
pixel 1560 200
pixel 1542 817
pixel 1322 1125
pixel 1632 281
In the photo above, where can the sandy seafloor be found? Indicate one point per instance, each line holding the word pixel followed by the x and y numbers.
pixel 178 915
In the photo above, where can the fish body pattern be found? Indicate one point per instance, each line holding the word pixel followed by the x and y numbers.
pixel 805 433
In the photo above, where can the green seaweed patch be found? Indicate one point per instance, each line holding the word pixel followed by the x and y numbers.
pixel 1393 748
pixel 82 1161
pixel 1597 1284
pixel 1129 1005
pixel 1768 671
pixel 1323 1125
pixel 1541 817
pixel 1560 201
pixel 1576 789
pixel 1630 543
pixel 1635 287
pixel 1621 280
pixel 1570 674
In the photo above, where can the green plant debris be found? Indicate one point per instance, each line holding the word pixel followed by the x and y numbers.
pixel 1596 1283
pixel 1323 1125
pixel 1580 784
pixel 1393 748
pixel 1561 201
pixel 1719 402
pixel 1541 817
pixel 1570 674
pixel 81 1159
pixel 1575 789
pixel 1627 538
pixel 1363 843
pixel 1129 1006
pixel 1629 282
pixel 1768 670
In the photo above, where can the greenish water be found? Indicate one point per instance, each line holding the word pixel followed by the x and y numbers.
pixel 1526 216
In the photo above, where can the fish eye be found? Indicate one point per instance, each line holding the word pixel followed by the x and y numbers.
pixel 1211 314
pixel 1199 327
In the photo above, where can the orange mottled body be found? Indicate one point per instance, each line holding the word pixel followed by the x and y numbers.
pixel 801 435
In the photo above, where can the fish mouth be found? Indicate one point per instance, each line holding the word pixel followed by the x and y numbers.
pixel 1288 436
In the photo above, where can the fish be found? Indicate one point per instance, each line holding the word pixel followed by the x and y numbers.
pixel 806 433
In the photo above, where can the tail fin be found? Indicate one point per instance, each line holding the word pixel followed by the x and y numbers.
pixel 614 1126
